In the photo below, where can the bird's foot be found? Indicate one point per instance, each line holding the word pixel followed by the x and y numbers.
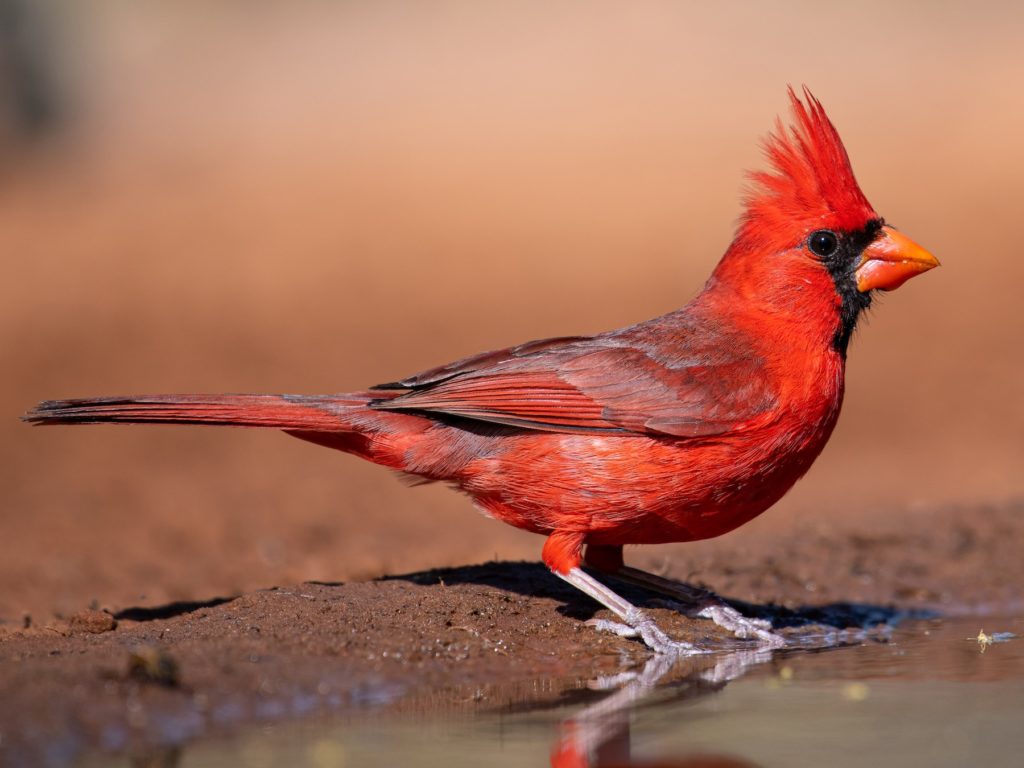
pixel 730 619
pixel 703 603
pixel 639 625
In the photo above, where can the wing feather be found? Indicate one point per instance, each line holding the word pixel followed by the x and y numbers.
pixel 599 384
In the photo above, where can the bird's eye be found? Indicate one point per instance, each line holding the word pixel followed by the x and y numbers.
pixel 823 242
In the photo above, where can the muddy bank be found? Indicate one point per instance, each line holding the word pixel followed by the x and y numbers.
pixel 126 678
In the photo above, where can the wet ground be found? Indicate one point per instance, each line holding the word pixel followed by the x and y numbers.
pixel 883 631
pixel 929 694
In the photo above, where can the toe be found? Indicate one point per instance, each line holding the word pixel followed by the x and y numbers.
pixel 615 627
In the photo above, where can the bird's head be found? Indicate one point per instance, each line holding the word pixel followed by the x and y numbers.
pixel 809 235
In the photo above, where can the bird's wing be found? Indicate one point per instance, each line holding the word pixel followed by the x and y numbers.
pixel 600 384
pixel 480 361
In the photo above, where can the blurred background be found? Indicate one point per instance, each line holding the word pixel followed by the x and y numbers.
pixel 313 197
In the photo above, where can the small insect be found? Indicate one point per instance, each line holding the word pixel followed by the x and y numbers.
pixel 984 641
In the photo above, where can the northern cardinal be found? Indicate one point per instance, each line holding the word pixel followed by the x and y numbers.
pixel 675 429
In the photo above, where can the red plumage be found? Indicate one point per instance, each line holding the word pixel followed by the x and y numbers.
pixel 675 429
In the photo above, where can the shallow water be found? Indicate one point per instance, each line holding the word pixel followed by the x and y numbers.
pixel 932 694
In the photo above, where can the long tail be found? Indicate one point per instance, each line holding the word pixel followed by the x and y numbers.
pixel 313 413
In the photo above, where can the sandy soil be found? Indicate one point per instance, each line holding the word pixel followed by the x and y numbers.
pixel 127 677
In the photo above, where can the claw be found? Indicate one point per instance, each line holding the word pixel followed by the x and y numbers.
pixel 615 627
pixel 639 625
pixel 730 619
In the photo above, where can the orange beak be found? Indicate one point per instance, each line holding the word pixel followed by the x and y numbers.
pixel 890 261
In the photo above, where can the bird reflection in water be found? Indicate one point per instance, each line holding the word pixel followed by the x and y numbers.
pixel 599 735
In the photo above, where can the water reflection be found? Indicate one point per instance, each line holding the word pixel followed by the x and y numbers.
pixel 599 735
pixel 931 694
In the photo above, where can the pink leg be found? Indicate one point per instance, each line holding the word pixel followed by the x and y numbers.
pixel 563 553
pixel 636 623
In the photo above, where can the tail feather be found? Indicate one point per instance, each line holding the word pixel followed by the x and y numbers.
pixel 291 412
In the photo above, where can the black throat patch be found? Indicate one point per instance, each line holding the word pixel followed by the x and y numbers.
pixel 842 265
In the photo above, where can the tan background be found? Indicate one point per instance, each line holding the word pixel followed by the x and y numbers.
pixel 315 197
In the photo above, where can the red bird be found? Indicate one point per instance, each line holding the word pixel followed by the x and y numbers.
pixel 675 429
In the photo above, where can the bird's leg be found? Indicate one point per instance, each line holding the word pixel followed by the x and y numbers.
pixel 563 552
pixel 704 603
pixel 635 622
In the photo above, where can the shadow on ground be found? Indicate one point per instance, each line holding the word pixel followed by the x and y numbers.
pixel 168 610
pixel 534 580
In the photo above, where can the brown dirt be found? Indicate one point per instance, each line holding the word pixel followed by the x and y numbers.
pixel 126 677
